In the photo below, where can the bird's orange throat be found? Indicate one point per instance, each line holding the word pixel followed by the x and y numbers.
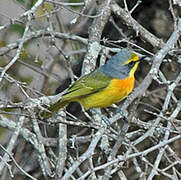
pixel 122 88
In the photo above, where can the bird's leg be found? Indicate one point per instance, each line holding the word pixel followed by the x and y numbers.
pixel 117 109
pixel 104 118
pixel 123 113
pixel 85 113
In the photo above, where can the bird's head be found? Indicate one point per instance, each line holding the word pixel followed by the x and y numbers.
pixel 124 63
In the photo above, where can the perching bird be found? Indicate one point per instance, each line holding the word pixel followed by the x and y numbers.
pixel 104 86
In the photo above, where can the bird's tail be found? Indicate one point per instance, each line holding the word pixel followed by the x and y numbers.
pixel 53 108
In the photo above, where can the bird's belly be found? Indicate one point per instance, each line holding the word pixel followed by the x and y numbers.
pixel 115 92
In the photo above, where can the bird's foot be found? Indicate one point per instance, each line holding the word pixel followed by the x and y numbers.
pixel 104 118
pixel 123 113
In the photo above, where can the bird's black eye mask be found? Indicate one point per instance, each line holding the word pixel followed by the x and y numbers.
pixel 132 63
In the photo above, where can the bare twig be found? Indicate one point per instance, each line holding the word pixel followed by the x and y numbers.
pixel 16 164
pixel 20 46
pixel 157 60
pixel 95 37
pixel 41 33
pixel 62 149
pixel 43 159
pixel 85 155
pixel 12 142
pixel 140 30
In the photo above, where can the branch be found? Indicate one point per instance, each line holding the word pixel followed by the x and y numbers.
pixel 23 39
pixel 85 155
pixel 96 29
pixel 12 142
pixel 62 149
pixel 139 29
pixel 41 33
pixel 27 13
pixel 157 60
pixel 16 164
pixel 20 46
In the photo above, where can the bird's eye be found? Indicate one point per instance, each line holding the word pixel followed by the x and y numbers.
pixel 131 63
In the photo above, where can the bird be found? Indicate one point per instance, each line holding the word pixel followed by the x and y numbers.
pixel 104 86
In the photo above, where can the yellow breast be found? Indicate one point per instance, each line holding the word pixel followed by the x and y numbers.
pixel 115 92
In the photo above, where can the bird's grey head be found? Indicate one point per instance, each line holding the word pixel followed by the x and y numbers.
pixel 120 64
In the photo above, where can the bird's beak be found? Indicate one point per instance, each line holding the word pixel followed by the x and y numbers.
pixel 141 56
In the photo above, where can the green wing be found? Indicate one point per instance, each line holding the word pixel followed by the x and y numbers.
pixel 88 84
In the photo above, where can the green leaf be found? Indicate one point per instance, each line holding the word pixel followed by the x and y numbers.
pixel 20 1
pixel 17 28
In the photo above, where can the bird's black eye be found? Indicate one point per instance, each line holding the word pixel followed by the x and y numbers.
pixel 132 63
